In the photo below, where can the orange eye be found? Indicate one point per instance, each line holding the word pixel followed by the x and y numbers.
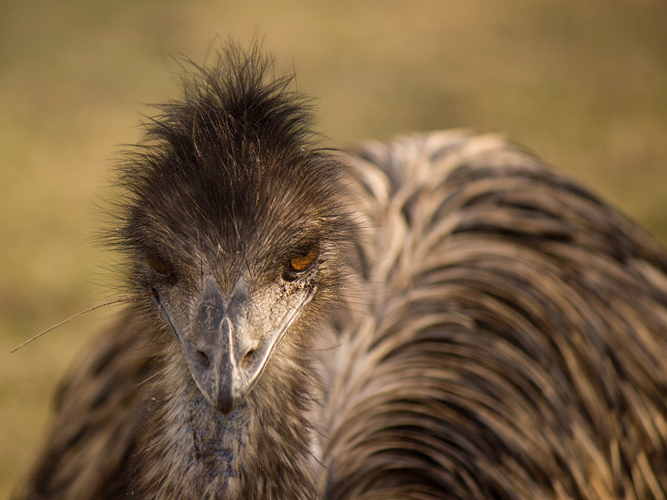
pixel 158 264
pixel 304 259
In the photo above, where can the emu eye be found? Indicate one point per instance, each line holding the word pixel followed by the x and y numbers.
pixel 303 259
pixel 158 264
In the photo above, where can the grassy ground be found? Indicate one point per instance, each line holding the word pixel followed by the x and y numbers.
pixel 584 84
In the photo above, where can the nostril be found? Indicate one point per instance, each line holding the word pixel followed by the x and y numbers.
pixel 247 357
pixel 203 359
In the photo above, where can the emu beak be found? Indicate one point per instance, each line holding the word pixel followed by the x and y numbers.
pixel 230 341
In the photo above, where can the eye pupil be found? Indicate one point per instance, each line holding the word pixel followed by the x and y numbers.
pixel 158 264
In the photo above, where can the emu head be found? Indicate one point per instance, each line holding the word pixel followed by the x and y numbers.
pixel 232 224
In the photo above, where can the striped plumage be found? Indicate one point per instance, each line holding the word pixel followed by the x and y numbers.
pixel 496 332
pixel 516 339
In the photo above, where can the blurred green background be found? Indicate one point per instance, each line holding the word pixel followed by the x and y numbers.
pixel 583 84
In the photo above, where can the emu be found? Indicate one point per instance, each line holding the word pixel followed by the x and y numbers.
pixel 436 316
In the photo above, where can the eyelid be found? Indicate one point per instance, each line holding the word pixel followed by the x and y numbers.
pixel 305 258
pixel 158 264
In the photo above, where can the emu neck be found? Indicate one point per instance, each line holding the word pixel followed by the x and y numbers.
pixel 260 450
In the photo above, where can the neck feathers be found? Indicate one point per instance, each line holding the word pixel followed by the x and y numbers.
pixel 261 450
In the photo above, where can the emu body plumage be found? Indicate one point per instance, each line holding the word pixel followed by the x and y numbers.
pixel 437 316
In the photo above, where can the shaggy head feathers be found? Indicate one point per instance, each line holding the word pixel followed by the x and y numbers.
pixel 229 175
